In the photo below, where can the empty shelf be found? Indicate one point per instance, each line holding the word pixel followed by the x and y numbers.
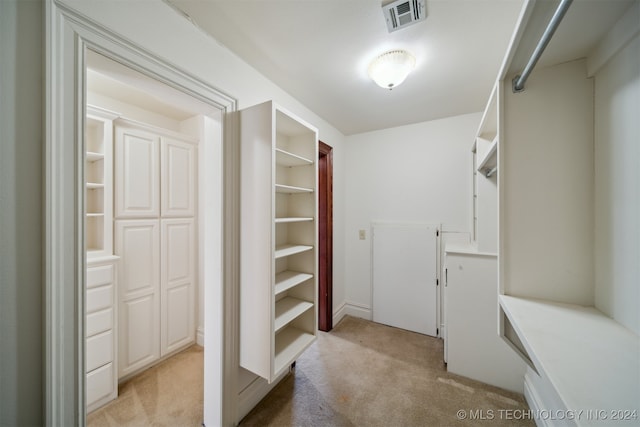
pixel 490 159
pixel 293 219
pixel 286 250
pixel 286 158
pixel 591 360
pixel 292 190
pixel 290 342
pixel 288 309
pixel 288 279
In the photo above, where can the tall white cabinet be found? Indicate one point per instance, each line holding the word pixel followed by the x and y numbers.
pixel 101 273
pixel 279 228
pixel 155 190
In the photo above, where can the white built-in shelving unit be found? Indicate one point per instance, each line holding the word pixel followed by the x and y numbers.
pixel 99 182
pixel 278 283
pixel 101 274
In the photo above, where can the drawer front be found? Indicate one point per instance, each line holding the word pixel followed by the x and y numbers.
pixel 101 275
pixel 99 298
pixel 99 350
pixel 100 383
pixel 100 321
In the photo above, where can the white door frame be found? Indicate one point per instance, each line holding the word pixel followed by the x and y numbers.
pixel 68 35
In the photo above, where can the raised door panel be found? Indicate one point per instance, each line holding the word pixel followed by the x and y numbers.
pixel 137 174
pixel 138 340
pixel 138 245
pixel 177 282
pixel 177 178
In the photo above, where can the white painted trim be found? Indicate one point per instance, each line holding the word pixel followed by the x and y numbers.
pixel 357 310
pixel 68 34
pixel 200 336
pixel 254 393
pixel 627 27
pixel 339 313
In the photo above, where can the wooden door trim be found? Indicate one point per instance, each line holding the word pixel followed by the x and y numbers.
pixel 325 237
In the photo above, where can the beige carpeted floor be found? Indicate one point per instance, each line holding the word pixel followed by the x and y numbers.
pixel 359 374
pixel 169 394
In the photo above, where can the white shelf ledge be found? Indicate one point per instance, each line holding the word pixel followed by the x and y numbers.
pixel 290 342
pixel 94 185
pixel 293 219
pixel 286 158
pixel 292 190
pixel 289 279
pixel 95 215
pixel 490 159
pixel 286 250
pixel 93 156
pixel 592 361
pixel 287 309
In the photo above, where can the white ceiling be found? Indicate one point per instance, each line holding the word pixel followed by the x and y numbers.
pixel 319 51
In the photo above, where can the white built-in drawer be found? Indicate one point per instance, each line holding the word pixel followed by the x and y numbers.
pixel 100 321
pixel 99 298
pixel 100 383
pixel 101 275
pixel 99 350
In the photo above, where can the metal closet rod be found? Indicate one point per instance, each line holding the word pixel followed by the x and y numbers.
pixel 520 79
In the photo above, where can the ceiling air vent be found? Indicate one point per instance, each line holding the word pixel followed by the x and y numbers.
pixel 403 13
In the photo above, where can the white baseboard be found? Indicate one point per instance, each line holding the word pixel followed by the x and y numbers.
pixel 254 393
pixel 200 336
pixel 351 309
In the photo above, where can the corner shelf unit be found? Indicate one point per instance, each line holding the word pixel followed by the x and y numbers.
pixel 278 279
pixel 99 182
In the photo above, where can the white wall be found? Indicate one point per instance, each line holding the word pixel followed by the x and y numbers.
pixel 547 186
pixel 415 173
pixel 617 181
pixel 21 142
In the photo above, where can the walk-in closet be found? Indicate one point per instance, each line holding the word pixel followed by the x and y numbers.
pixel 143 280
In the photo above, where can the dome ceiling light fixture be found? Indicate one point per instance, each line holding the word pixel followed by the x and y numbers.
pixel 391 68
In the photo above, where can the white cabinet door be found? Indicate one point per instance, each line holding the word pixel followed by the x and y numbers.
pixel 136 173
pixel 138 245
pixel 177 277
pixel 177 179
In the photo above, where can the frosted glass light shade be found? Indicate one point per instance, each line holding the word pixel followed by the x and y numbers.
pixel 391 68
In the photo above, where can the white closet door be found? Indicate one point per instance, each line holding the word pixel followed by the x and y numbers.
pixel 177 277
pixel 178 169
pixel 136 174
pixel 137 244
pixel 404 276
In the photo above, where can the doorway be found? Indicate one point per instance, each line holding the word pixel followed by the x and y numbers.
pixel 325 237
pixel 141 225
pixel 69 37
